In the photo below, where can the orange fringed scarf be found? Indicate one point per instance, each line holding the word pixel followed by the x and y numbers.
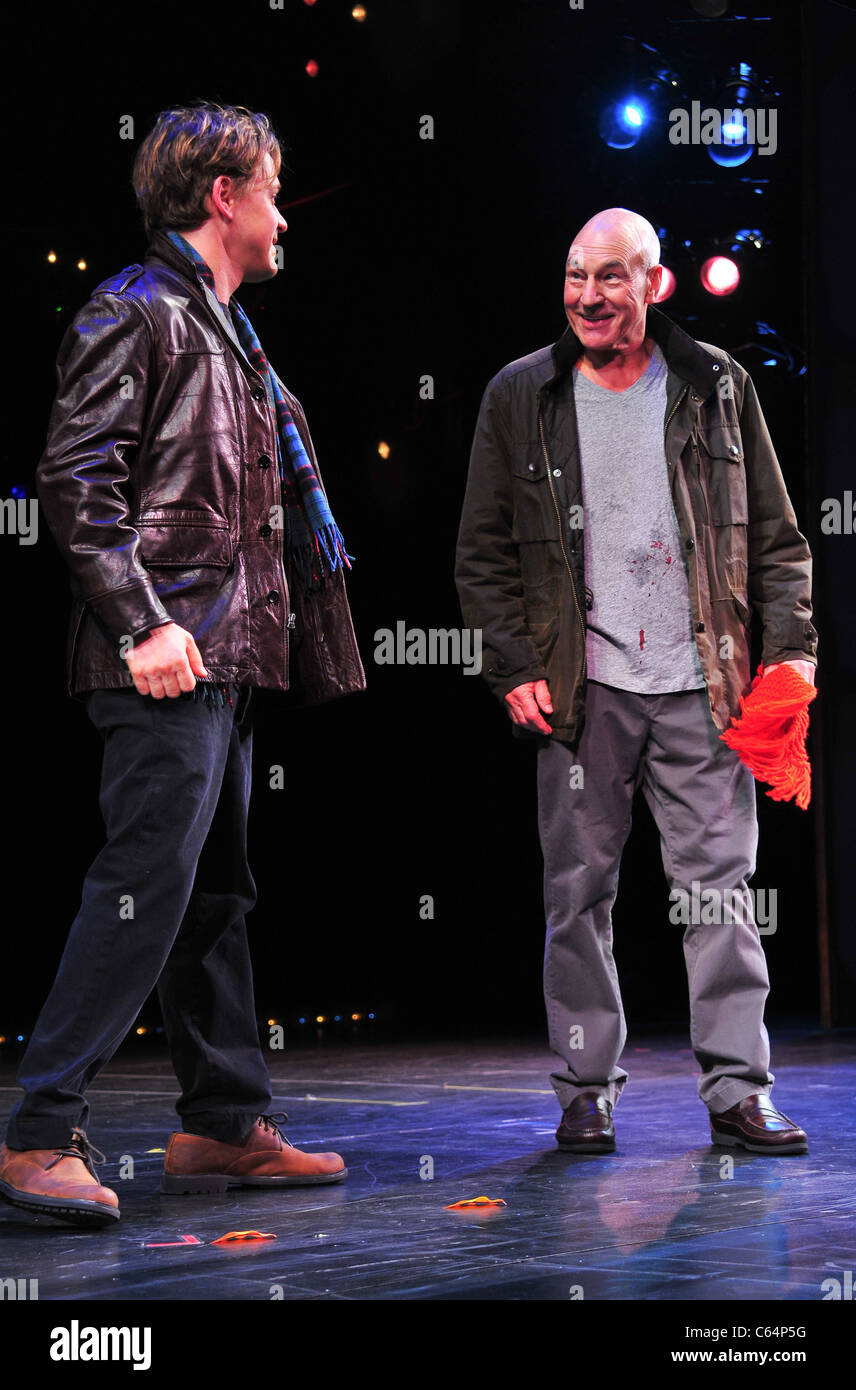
pixel 769 737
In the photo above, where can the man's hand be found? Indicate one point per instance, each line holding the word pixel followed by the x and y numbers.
pixel 166 663
pixel 525 703
pixel 803 668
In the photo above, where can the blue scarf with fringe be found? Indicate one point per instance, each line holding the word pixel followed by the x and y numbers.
pixel 312 540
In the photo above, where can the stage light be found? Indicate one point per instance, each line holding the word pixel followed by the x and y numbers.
pixel 743 92
pixel 320 1019
pixel 358 13
pixel 52 257
pixel 621 123
pixel 20 1037
pixel 668 285
pixel 140 1032
pixel 355 1018
pixel 720 275
pixel 2 1038
pixel 311 68
pixel 384 449
pixel 649 81
pixel 271 1022
pixel 81 265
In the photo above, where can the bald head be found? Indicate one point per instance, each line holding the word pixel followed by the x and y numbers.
pixel 625 230
pixel 613 273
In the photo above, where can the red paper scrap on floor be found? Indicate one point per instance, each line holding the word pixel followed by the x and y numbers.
pixel 477 1202
pixel 243 1235
pixel 769 737
pixel 168 1244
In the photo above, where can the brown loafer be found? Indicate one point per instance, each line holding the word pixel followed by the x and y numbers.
pixel 59 1182
pixel 586 1126
pixel 195 1164
pixel 757 1125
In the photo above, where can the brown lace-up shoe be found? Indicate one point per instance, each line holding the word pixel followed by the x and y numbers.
pixel 59 1182
pixel 757 1125
pixel 586 1126
pixel 267 1159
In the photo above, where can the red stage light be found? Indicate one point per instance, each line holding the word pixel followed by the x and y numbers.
pixel 720 275
pixel 668 285
pixel 312 68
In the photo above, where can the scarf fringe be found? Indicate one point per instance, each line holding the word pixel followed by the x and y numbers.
pixel 769 737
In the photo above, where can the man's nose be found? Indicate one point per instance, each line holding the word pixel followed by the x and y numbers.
pixel 590 294
pixel 282 225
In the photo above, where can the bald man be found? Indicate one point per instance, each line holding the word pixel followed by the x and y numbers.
pixel 625 517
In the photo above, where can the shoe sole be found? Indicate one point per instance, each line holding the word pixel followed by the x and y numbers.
pixel 197 1183
pixel 77 1213
pixel 598 1146
pixel 798 1147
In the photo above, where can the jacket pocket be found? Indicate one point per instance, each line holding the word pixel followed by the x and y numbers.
pixel 184 540
pixel 722 475
pixel 534 510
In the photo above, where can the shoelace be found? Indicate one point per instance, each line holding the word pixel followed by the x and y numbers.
pixel 274 1122
pixel 79 1146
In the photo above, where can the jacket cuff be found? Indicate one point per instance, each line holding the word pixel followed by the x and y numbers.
pixel 794 641
pixel 132 611
pixel 515 667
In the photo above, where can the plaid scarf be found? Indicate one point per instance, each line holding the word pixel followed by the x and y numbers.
pixel 312 540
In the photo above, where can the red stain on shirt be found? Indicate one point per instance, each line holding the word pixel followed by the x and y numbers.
pixel 641 638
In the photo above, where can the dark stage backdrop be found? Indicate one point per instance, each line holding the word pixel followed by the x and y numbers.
pixel 405 257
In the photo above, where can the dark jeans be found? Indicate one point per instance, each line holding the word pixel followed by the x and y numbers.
pixel 163 904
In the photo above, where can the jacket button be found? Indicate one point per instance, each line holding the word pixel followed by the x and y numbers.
pixel 265 529
pixel 699 627
pixel 273 596
pixel 557 472
pixel 690 544
pixel 264 461
pixel 257 393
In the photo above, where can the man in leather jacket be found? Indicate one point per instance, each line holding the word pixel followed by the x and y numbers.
pixel 180 483
pixel 625 516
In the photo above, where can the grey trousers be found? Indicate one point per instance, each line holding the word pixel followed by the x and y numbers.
pixel 703 801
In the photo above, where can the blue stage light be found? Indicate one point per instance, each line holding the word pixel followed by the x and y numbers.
pixel 621 123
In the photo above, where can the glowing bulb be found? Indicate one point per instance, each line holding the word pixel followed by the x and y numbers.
pixel 720 275
pixel 311 68
pixel 81 265
pixel 358 13
pixel 52 257
pixel 384 449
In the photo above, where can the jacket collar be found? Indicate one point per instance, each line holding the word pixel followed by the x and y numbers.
pixel 684 356
pixel 161 248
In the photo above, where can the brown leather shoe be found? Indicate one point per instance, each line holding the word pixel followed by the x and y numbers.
pixel 757 1125
pixel 59 1182
pixel 586 1126
pixel 268 1159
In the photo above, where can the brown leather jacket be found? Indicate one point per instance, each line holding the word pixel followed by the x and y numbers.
pixel 158 482
pixel 520 564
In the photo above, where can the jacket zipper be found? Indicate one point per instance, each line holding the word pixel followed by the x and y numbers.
pixel 561 530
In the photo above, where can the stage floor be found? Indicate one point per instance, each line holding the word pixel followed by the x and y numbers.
pixel 666 1217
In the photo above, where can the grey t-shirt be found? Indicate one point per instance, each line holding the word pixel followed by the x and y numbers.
pixel 640 626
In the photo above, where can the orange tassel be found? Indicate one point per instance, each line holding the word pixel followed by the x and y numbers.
pixel 769 737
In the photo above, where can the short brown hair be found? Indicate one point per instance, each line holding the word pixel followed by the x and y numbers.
pixel 188 148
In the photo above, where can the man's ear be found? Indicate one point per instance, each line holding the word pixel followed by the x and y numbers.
pixel 655 277
pixel 221 199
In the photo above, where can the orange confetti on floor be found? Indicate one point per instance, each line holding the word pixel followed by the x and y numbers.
pixel 477 1202
pixel 243 1235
